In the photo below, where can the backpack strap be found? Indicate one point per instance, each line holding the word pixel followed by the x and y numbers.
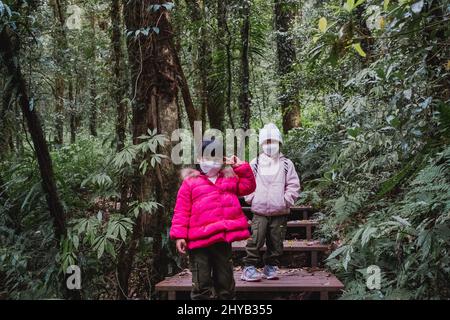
pixel 285 165
pixel 255 166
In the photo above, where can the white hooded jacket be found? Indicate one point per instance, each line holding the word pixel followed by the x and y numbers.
pixel 277 182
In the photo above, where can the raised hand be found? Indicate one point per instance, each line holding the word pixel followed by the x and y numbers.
pixel 233 161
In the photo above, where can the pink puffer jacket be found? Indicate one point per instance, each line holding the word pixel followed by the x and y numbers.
pixel 206 212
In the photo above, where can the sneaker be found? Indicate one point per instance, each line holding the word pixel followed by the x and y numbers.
pixel 270 272
pixel 251 274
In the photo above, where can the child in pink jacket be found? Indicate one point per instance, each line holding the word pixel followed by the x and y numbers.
pixel 208 218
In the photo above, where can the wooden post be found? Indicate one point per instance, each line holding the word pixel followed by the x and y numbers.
pixel 305 215
pixel 313 259
pixel 172 295
pixel 323 295
pixel 308 232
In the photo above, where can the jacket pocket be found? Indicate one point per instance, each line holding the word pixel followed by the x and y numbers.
pixel 275 199
pixel 253 240
pixel 259 201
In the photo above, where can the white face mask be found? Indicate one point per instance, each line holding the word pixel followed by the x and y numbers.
pixel 271 149
pixel 210 168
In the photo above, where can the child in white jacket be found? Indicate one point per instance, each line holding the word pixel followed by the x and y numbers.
pixel 277 188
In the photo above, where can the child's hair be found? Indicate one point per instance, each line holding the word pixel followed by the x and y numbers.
pixel 213 144
pixel 205 144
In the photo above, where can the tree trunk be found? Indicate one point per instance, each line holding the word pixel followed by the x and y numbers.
pixel 189 107
pixel 9 52
pixel 154 75
pixel 367 41
pixel 186 93
pixel 244 99
pixel 223 23
pixel 437 58
pixel 59 109
pixel 73 114
pixel 18 138
pixel 202 60
pixel 10 59
pixel 119 91
pixel 217 86
pixel 210 73
pixel 287 96
pixel 93 110
pixel 61 45
pixel 6 119
pixel 120 85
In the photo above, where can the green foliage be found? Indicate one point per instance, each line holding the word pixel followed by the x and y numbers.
pixel 377 167
pixel 108 229
pixel 408 238
pixel 87 174
pixel 371 77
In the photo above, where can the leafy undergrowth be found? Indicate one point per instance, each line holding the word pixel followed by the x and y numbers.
pixel 374 157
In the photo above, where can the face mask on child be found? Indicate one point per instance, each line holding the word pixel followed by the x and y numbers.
pixel 271 149
pixel 210 168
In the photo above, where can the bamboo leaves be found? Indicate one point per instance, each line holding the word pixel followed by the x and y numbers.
pixel 101 237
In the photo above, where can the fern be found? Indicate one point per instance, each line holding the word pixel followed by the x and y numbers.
pixel 409 239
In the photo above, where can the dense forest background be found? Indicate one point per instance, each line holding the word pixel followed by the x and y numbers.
pixel 360 88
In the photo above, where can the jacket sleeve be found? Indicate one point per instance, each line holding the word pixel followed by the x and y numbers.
pixel 182 213
pixel 292 187
pixel 246 179
pixel 249 198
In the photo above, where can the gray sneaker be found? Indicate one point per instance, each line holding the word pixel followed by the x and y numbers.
pixel 250 273
pixel 270 272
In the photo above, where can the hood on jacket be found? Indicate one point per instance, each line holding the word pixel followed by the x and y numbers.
pixel 270 131
pixel 227 172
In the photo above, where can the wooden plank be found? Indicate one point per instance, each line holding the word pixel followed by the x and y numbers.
pixel 303 223
pixel 299 223
pixel 290 280
pixel 289 245
pixel 293 209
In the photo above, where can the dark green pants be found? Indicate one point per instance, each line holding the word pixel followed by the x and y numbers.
pixel 212 272
pixel 272 231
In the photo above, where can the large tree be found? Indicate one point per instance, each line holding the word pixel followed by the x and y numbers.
pixel 60 48
pixel 120 87
pixel 93 110
pixel 9 51
pixel 120 83
pixel 287 95
pixel 224 40
pixel 154 72
pixel 203 57
pixel 208 58
pixel 244 98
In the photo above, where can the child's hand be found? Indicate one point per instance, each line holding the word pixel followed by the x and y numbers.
pixel 233 161
pixel 181 246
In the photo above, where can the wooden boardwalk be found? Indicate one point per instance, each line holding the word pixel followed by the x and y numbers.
pixel 294 280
